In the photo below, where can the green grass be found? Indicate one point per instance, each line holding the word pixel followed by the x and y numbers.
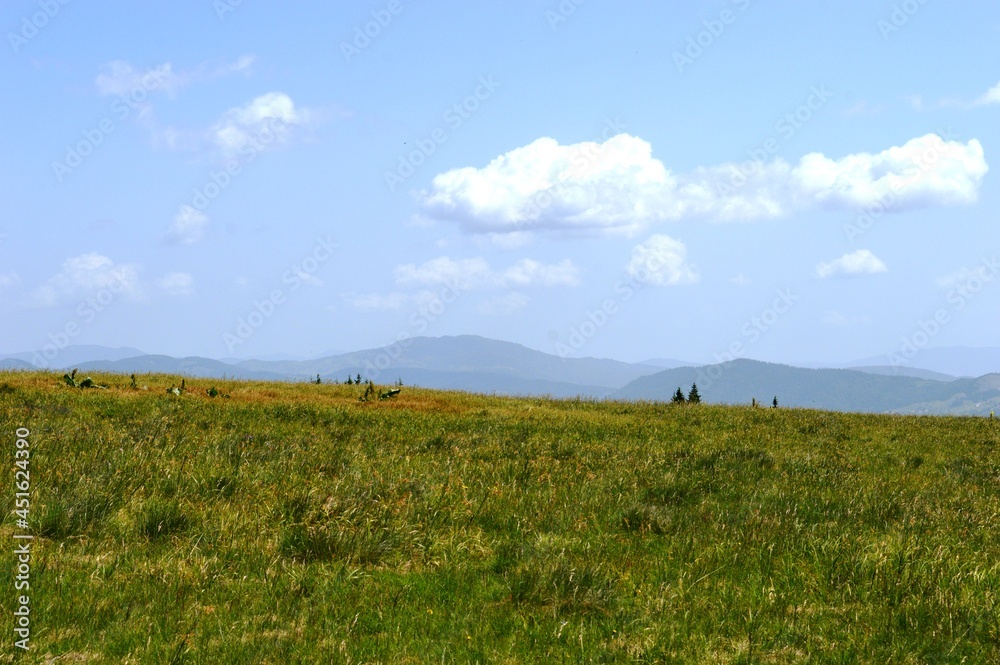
pixel 295 524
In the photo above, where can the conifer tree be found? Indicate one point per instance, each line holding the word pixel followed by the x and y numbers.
pixel 693 396
pixel 679 396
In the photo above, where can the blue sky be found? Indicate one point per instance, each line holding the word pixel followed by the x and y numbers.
pixel 700 180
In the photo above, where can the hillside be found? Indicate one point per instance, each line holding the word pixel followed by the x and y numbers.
pixel 464 354
pixel 281 522
pixel 739 381
pixel 478 364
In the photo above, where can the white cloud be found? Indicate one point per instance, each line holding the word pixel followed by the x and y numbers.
pixel 991 96
pixel 466 274
pixel 739 280
pixel 988 98
pixel 9 280
pixel 661 261
pixel 619 187
pixel 176 284
pixel 860 262
pixel 121 78
pixel 925 172
pixel 187 227
pixel 527 272
pixel 503 305
pixel 85 275
pixel 263 123
pixel 375 301
pixel 964 276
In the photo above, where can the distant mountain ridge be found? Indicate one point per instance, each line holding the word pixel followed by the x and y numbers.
pixel 477 364
pixel 741 381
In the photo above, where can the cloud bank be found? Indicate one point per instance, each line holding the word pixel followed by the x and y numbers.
pixel 619 187
pixel 860 262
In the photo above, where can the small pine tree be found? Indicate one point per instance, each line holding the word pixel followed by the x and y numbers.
pixel 679 396
pixel 318 380
pixel 693 396
pixel 774 404
pixel 349 381
pixel 357 379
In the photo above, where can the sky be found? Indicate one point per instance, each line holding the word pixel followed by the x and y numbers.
pixel 790 182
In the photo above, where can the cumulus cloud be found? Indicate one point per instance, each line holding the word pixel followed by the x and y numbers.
pixel 474 273
pixel 262 123
pixel 991 96
pixel 176 284
pixel 860 262
pixel 619 187
pixel 923 173
pixel 85 275
pixel 661 261
pixel 187 227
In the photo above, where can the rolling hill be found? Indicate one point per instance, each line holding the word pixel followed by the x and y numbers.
pixel 740 381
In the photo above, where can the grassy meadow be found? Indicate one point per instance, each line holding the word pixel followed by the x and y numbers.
pixel 292 523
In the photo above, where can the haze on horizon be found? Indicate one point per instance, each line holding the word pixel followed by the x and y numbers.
pixel 713 180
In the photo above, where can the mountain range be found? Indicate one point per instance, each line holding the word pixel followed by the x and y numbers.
pixel 478 364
